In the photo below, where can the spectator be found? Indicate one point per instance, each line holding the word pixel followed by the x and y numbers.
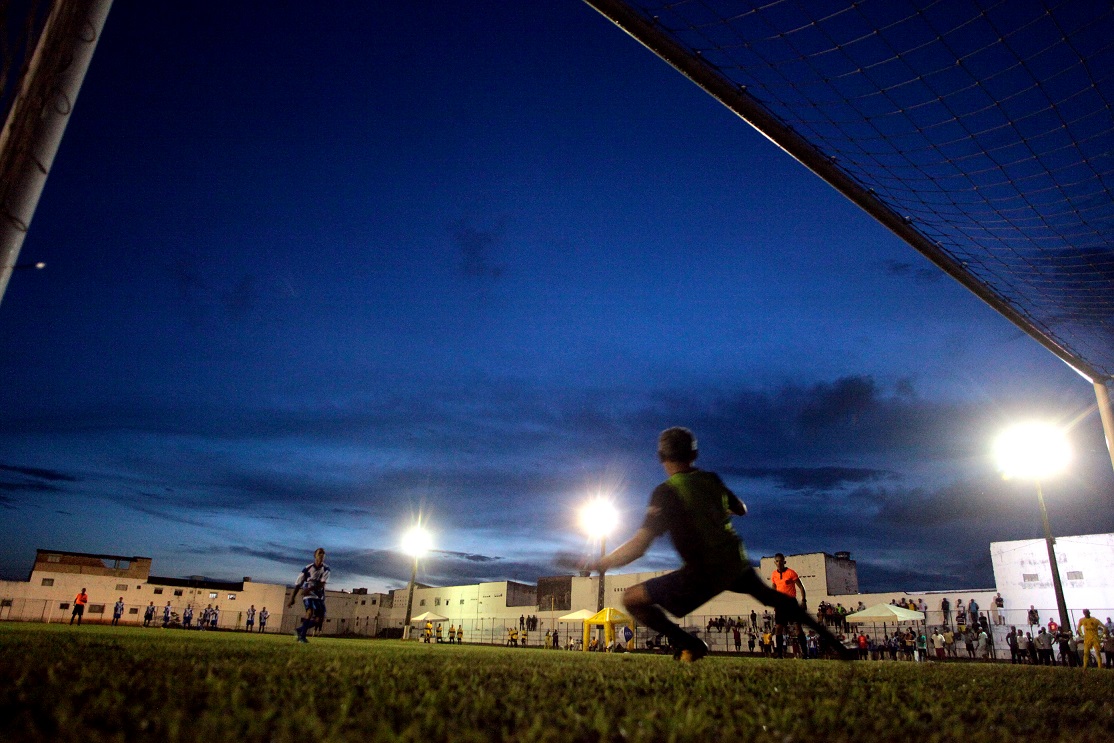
pixel 938 644
pixel 754 619
pixel 969 642
pixel 1089 628
pixel 1031 649
pixel 973 612
pixel 1108 649
pixel 1012 641
pixel 1034 618
pixel 949 642
pixel 79 602
pixel 997 609
pixel 738 638
pixel 1043 644
pixel 983 645
pixel 945 610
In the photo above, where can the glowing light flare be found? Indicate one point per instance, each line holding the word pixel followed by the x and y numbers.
pixel 1032 451
pixel 417 542
pixel 599 517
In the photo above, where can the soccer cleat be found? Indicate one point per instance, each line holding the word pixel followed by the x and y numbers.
pixel 693 653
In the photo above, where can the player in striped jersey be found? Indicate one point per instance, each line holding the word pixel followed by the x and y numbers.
pixel 312 582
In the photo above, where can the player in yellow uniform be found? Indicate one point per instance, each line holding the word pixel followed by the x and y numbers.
pixel 1090 628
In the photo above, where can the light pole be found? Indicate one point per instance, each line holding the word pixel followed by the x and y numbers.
pixel 598 518
pixel 415 543
pixel 1034 451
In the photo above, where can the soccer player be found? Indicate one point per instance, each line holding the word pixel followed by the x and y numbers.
pixel 1090 627
pixel 695 507
pixel 312 582
pixel 214 615
pixel 187 616
pixel 460 633
pixel 166 615
pixel 79 602
pixel 149 614
pixel 264 615
pixel 251 618
pixel 117 611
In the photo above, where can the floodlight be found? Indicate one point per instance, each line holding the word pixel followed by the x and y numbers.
pixel 417 542
pixel 598 518
pixel 1032 451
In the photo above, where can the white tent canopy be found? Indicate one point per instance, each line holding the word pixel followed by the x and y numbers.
pixel 578 616
pixel 429 617
pixel 886 613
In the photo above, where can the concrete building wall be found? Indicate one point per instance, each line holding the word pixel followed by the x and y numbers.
pixel 47 596
pixel 1023 573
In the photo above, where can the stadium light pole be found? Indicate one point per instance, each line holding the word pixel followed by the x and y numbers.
pixel 599 518
pixel 416 543
pixel 1035 451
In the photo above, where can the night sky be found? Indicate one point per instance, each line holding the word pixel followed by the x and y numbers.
pixel 311 274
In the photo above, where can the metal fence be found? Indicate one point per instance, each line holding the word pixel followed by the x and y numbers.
pixel 54 611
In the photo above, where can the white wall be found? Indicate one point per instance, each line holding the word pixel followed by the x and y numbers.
pixel 1023 574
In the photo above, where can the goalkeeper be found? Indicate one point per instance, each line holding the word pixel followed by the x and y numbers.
pixel 695 507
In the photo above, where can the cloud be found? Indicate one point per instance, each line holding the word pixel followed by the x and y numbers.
pixel 16 479
pixel 437 568
pixel 811 479
pixel 475 248
pixel 919 274
pixel 842 464
pixel 43 474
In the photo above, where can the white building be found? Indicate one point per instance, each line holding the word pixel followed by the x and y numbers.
pixel 1023 574
pixel 57 576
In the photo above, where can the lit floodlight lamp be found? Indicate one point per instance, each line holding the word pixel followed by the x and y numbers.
pixel 1032 451
pixel 417 542
pixel 598 518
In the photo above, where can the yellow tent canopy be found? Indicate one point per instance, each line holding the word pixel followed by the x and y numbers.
pixel 607 618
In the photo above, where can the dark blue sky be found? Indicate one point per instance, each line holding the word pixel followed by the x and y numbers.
pixel 312 273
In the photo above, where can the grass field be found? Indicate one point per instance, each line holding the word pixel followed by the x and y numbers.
pixel 99 683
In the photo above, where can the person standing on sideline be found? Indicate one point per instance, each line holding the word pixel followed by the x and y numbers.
pixel 1090 627
pixel 117 611
pixel 214 616
pixel 460 633
pixel 946 611
pixel 264 615
pixel 695 507
pixel 250 626
pixel 312 582
pixel 166 615
pixel 187 616
pixel 79 602
pixel 786 580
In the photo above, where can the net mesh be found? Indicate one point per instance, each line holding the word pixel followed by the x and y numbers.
pixel 986 125
pixel 22 24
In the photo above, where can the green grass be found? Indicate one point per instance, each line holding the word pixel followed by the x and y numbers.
pixel 105 684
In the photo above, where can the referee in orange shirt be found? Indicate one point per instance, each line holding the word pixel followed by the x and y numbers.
pixel 786 580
